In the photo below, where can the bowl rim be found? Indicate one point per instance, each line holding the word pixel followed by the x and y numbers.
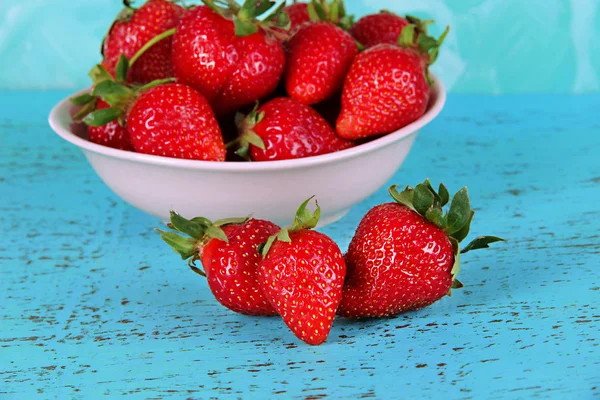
pixel 57 112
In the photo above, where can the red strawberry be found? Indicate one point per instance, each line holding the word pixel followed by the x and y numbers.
pixel 298 14
pixel 112 134
pixel 405 255
pixel 302 276
pixel 228 252
pixel 387 87
pixel 133 29
pixel 375 29
pixel 230 71
pixel 165 119
pixel 174 120
pixel 319 56
pixel 285 128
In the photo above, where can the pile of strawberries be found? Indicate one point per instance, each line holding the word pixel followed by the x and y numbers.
pixel 223 81
pixel 405 255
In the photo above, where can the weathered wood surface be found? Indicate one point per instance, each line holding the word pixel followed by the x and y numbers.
pixel 92 303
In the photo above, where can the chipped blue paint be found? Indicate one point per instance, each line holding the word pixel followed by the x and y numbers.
pixel 495 46
pixel 92 303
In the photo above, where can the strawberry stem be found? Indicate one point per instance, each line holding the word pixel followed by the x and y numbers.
pixel 304 219
pixel 149 44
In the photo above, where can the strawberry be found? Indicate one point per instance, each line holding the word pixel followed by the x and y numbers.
pixel 228 252
pixel 301 275
pixel 374 29
pixel 387 86
pixel 298 14
pixel 231 64
pixel 112 134
pixel 319 56
pixel 162 118
pixel 405 254
pixel 174 120
pixel 283 129
pixel 133 29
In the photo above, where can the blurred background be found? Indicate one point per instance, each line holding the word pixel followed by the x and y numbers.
pixel 494 47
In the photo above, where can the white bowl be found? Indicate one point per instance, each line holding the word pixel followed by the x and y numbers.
pixel 270 190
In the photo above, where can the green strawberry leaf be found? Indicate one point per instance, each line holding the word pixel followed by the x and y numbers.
pixel 461 234
pixel 426 43
pixel 252 138
pixel 284 236
pixel 202 221
pixel 185 247
pixel 312 12
pixel 305 219
pixel 456 284
pixel 423 198
pixel 320 11
pixel 407 36
pixel 113 93
pixel 83 99
pixel 459 213
pixel 244 28
pixel 231 221
pixel 190 228
pixel 436 216
pixel 103 116
pixel 481 242
pixel 444 195
pixel 122 69
pixel 405 197
pixel 85 110
pixel 99 74
pixel 216 233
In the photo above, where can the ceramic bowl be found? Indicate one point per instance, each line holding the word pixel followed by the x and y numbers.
pixel 270 190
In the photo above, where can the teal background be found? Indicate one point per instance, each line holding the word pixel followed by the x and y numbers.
pixel 495 46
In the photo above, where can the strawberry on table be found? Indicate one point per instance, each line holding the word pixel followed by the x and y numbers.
pixel 302 276
pixel 387 86
pixel 228 252
pixel 405 255
pixel 232 64
pixel 285 128
pixel 133 29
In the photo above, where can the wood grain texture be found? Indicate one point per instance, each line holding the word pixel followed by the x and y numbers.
pixel 92 303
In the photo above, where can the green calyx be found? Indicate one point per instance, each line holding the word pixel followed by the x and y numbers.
pixel 456 221
pixel 114 91
pixel 191 235
pixel 333 11
pixel 245 16
pixel 304 219
pixel 414 36
pixel 246 134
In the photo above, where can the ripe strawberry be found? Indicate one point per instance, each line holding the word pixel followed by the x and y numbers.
pixel 387 86
pixel 228 252
pixel 283 129
pixel 232 65
pixel 301 275
pixel 165 119
pixel 405 255
pixel 298 14
pixel 374 29
pixel 134 28
pixel 319 56
pixel 112 134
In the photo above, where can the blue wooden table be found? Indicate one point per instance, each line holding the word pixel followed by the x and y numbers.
pixel 92 303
